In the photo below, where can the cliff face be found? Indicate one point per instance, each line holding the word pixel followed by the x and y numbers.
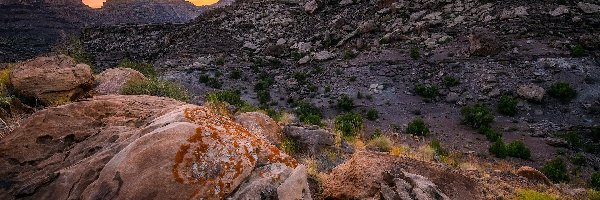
pixel 147 11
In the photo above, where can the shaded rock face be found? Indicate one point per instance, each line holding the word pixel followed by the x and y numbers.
pixel 132 147
pixel 375 175
pixel 262 125
pixel 112 81
pixel 147 11
pixel 52 80
pixel 483 43
pixel 311 139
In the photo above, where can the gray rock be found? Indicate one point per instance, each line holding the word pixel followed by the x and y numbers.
pixel 559 11
pixel 311 6
pixel 452 97
pixel 295 186
pixel 531 92
pixel 324 55
pixel 588 7
pixel 310 139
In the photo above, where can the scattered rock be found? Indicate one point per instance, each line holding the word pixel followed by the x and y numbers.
pixel 52 80
pixel 311 6
pixel 531 92
pixel 520 11
pixel 111 81
pixel 324 55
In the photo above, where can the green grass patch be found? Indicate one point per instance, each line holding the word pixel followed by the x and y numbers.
pixel 156 87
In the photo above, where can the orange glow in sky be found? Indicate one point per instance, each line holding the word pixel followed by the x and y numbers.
pixel 98 3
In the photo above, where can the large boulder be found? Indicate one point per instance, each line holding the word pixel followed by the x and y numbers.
pixel 533 175
pixel 311 139
pixel 370 175
pixel 52 80
pixel 133 147
pixel 531 92
pixel 112 81
pixel 262 125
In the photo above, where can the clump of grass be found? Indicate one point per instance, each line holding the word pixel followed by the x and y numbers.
pixel 427 91
pixel 349 54
pixel 527 194
pixel 477 115
pixel 562 91
pixel 507 105
pixel 5 97
pixel 372 114
pixel 436 145
pixel 289 145
pixel 556 170
pixel 593 194
pixel 156 87
pixel 380 143
pixel 210 81
pixel 349 124
pixel 308 113
pixel 595 180
pixel 232 97
pixel 235 74
pixel 418 127
pixel 144 68
pixel 491 134
pixel 450 81
pixel 345 103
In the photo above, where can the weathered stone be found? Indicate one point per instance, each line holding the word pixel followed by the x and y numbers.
pixel 588 7
pixel 52 80
pixel 311 6
pixel 112 81
pixel 533 175
pixel 531 92
pixel 262 125
pixel 483 43
pixel 311 139
pixel 560 10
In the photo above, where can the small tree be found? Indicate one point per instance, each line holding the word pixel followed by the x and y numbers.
pixel 556 170
pixel 418 127
pixel 477 115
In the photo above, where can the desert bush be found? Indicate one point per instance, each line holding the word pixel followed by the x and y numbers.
pixel 579 159
pixel 144 68
pixel 345 103
pixel 232 97
pixel 450 81
pixel 593 194
pixel 308 113
pixel 381 143
pixel 210 81
pixel 477 115
pixel 577 50
pixel 436 145
pixel 491 134
pixel 573 139
pixel 289 145
pixel 527 194
pixel 507 105
pixel 518 149
pixel 235 74
pixel 349 54
pixel 156 87
pixel 562 91
pixel 262 88
pixel 498 149
pixel 429 91
pixel 418 127
pixel 595 180
pixel 556 170
pixel 415 53
pixel 349 124
pixel 372 114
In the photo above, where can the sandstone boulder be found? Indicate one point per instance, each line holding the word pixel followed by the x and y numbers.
pixel 111 81
pixel 131 147
pixel 262 125
pixel 531 92
pixel 533 175
pixel 52 80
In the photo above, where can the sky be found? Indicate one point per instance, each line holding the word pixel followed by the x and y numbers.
pixel 98 3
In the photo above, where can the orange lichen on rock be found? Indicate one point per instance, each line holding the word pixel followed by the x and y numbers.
pixel 223 154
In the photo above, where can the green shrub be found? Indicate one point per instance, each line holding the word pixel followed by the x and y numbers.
pixel 491 134
pixel 415 53
pixel 262 88
pixel 595 180
pixel 450 81
pixel 477 115
pixel 345 103
pixel 498 149
pixel 376 133
pixel 209 81
pixel 349 54
pixel 235 74
pixel 220 61
pixel 579 159
pixel 573 139
pixel 300 77
pixel 577 50
pixel 556 170
pixel 527 194
pixel 418 127
pixel 562 91
pixel 507 105
pixel 349 124
pixel 436 145
pixel 372 114
pixel 289 146
pixel 232 97
pixel 518 149
pixel 308 113
pixel 430 91
pixel 156 87
pixel 144 68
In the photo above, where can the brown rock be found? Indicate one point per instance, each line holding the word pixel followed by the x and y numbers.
pixel 533 175
pixel 52 80
pixel 111 81
pixel 531 92
pixel 130 147
pixel 361 177
pixel 261 124
pixel 483 43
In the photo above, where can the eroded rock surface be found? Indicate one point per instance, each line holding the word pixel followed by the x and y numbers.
pixel 111 81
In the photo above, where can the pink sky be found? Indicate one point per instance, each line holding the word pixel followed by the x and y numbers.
pixel 98 3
